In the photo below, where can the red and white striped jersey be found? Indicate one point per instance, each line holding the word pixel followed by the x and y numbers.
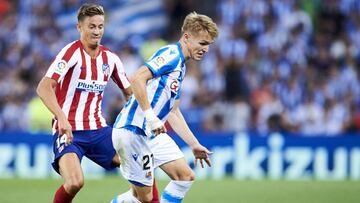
pixel 81 83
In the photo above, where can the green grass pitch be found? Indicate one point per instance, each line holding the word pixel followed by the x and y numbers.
pixel 203 191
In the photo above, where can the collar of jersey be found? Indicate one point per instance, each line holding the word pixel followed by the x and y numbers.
pixel 180 51
pixel 83 49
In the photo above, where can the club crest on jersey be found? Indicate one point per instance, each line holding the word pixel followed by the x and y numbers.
pixel 148 174
pixel 174 86
pixel 60 67
pixel 106 69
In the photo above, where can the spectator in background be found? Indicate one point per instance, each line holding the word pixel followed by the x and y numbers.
pixel 308 117
pixel 334 118
pixel 353 124
pixel 309 39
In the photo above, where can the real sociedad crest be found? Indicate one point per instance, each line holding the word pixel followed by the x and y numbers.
pixel 106 69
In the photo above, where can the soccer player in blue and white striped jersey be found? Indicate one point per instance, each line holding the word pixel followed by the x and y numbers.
pixel 140 136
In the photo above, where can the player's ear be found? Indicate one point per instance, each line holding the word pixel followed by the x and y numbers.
pixel 78 26
pixel 186 37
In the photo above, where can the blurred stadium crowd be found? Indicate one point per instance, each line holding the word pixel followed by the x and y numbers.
pixel 278 65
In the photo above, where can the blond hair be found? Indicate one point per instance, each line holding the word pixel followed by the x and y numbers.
pixel 194 23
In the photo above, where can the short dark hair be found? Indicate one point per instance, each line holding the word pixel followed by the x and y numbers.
pixel 89 10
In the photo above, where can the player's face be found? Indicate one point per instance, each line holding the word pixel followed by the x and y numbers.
pixel 198 45
pixel 91 30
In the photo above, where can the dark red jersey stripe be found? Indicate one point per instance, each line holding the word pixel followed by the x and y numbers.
pixel 83 64
pixel 116 78
pixel 55 76
pixel 87 110
pixel 73 108
pixel 70 51
pixel 93 69
pixel 96 114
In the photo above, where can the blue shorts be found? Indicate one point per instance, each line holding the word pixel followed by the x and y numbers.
pixel 96 145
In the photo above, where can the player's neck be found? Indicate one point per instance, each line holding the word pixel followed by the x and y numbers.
pixel 91 50
pixel 184 50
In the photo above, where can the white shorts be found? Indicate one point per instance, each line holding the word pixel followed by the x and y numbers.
pixel 164 149
pixel 136 156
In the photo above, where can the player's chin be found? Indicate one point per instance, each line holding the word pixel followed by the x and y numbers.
pixel 198 57
pixel 95 41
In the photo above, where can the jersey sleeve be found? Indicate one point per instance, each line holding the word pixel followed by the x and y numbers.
pixel 163 61
pixel 178 94
pixel 119 76
pixel 62 63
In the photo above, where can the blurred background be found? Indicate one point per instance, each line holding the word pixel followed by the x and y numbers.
pixel 280 86
pixel 288 66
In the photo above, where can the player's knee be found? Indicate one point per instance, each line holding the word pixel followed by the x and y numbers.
pixel 190 176
pixel 145 198
pixel 187 176
pixel 116 161
pixel 74 184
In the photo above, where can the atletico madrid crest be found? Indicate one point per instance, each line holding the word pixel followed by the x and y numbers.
pixel 106 69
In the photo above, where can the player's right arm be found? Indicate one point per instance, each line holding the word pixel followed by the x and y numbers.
pixel 46 92
pixel 138 86
pixel 57 70
pixel 162 62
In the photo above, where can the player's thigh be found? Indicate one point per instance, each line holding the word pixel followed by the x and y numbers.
pixel 70 167
pixel 123 141
pixel 164 149
pixel 102 151
pixel 170 158
pixel 136 157
pixel 178 170
pixel 60 148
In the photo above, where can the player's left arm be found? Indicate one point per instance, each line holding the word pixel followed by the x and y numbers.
pixel 179 125
pixel 127 92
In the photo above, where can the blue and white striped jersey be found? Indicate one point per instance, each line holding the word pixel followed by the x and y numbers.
pixel 168 68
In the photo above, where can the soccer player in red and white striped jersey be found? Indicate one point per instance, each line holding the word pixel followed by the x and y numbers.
pixel 72 90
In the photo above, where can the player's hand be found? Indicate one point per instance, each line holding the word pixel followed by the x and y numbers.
pixel 65 129
pixel 201 153
pixel 160 130
pixel 154 123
